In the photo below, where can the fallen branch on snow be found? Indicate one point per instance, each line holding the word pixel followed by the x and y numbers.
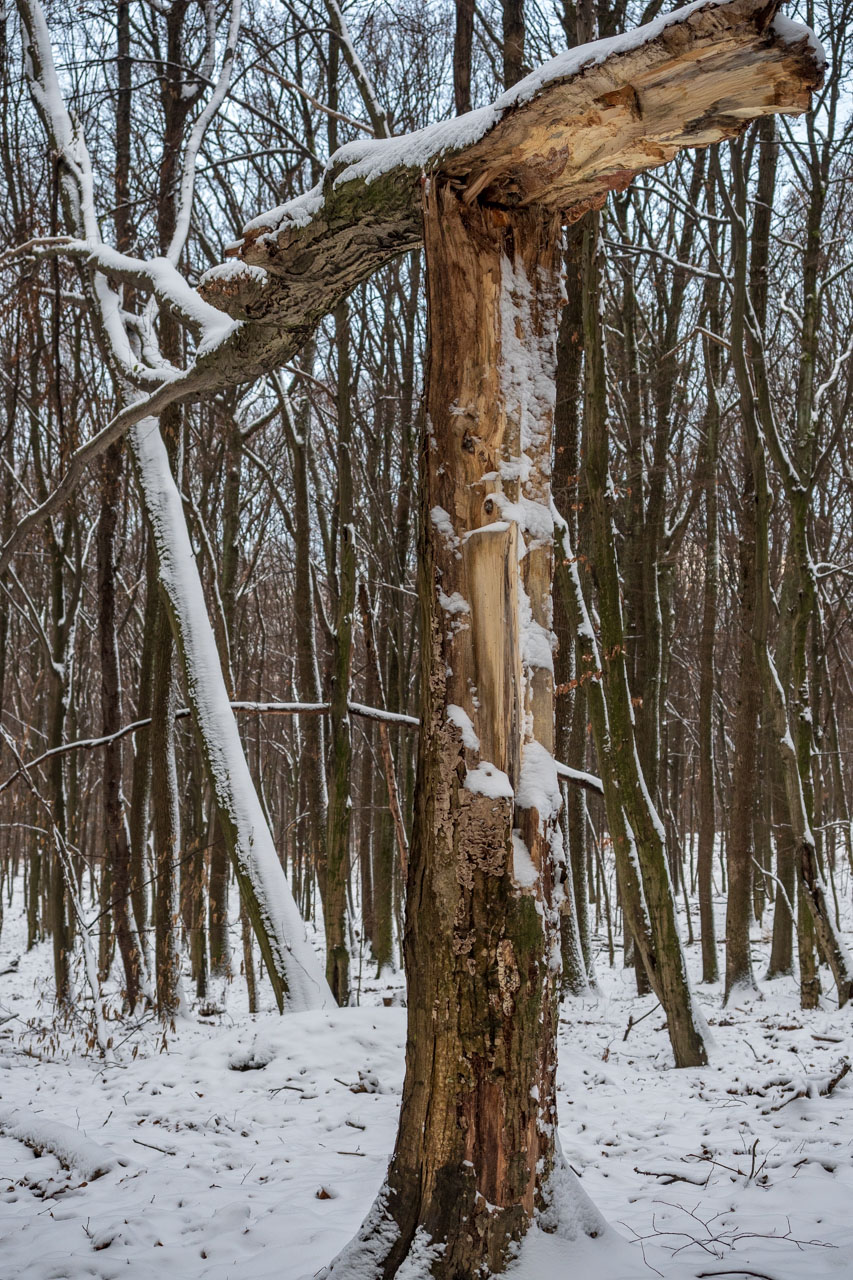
pixel 73 1150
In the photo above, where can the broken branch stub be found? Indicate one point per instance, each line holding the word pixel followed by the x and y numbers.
pixel 584 124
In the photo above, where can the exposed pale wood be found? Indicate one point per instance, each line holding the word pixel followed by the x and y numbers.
pixel 697 82
pixel 491 568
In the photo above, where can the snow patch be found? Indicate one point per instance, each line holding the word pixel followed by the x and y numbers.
pixel 538 786
pixel 524 871
pixel 459 716
pixel 73 1150
pixel 487 780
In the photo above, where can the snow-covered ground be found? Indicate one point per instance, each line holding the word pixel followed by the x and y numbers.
pixel 245 1146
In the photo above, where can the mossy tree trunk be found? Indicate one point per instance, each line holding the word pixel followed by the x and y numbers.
pixel 637 833
pixel 477 1154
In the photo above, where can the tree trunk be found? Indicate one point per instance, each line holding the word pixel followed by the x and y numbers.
pixel 167 824
pixel 739 847
pixel 781 947
pixel 312 777
pixel 462 42
pixel 636 830
pixel 477 1154
pixel 707 637
pixel 116 841
pixel 513 41
pixel 340 734
pixel 578 972
pixel 140 790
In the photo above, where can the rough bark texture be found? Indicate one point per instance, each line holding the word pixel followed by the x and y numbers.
pixel 476 1151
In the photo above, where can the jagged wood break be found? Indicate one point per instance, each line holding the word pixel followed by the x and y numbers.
pixel 477 1158
pixel 583 125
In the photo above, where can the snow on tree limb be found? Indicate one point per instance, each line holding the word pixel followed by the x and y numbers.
pixel 687 79
pixel 293 966
pixel 582 125
pixel 190 385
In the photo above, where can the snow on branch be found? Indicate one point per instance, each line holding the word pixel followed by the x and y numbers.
pixel 200 127
pixel 293 966
pixel 582 125
pixel 157 275
pixel 184 387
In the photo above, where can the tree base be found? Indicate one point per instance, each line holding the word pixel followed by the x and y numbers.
pixel 567 1217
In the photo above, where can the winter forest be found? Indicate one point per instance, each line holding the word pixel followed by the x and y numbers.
pixel 426 648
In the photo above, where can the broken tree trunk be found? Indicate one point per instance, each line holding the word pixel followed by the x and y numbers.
pixel 477 1152
pixel 582 125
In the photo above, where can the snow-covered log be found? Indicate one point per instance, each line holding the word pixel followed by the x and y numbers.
pixel 72 1149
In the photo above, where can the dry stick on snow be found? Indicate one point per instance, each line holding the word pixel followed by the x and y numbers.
pixel 823 1092
pixel 671 1176
pixel 738 1271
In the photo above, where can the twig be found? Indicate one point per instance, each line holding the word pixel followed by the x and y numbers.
pixel 822 1092
pixel 165 1150
pixel 635 1022
pixel 738 1271
pixel 672 1177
